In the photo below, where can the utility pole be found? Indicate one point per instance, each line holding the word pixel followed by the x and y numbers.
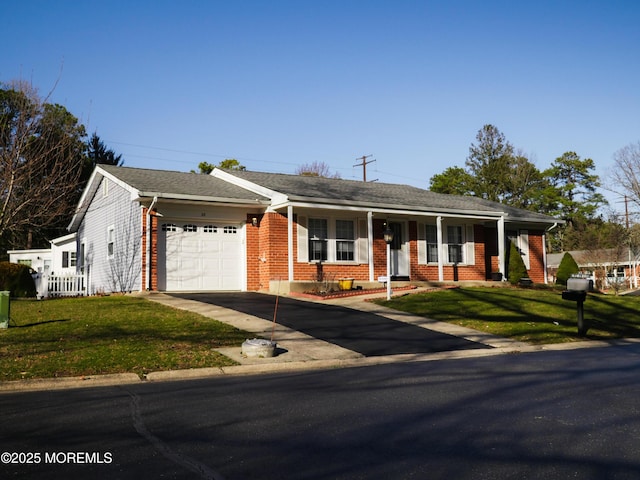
pixel 364 165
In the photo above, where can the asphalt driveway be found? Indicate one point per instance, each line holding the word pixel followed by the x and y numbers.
pixel 366 333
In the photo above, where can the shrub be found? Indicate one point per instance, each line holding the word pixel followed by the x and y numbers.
pixel 567 267
pixel 17 279
pixel 517 269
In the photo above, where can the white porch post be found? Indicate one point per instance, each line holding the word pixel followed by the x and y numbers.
pixel 501 249
pixel 370 245
pixel 290 241
pixel 440 249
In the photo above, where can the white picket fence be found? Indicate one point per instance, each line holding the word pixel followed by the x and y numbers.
pixel 69 285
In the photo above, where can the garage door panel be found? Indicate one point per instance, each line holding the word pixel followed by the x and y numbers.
pixel 200 257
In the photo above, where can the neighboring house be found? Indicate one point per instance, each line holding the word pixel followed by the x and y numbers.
pixel 608 268
pixel 140 229
pixel 58 261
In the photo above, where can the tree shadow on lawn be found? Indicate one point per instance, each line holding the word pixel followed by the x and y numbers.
pixel 603 315
pixel 37 324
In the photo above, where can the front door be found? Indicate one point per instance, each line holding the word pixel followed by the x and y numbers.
pixel 399 251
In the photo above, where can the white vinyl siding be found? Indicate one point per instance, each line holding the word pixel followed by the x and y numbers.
pixel 111 241
pixel 118 211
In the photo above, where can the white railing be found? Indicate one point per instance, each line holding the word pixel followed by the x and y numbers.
pixel 68 285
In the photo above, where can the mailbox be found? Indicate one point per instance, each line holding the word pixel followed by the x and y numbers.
pixel 574 295
pixel 576 291
pixel 579 284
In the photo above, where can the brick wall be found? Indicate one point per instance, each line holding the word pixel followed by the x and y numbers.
pixel 536 260
pixel 422 272
pixel 267 256
pixel 154 250
pixel 254 264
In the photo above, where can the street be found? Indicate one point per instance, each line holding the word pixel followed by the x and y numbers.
pixel 549 414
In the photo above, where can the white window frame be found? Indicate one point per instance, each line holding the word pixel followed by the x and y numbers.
pixel 429 242
pixel 459 245
pixel 346 241
pixel 467 247
pixel 359 240
pixel 321 240
pixel 111 241
pixel 82 259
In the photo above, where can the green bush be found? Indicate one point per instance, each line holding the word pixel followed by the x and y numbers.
pixel 517 269
pixel 567 267
pixel 17 279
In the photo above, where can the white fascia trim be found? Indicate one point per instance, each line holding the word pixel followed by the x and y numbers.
pixel 198 199
pixel 275 197
pixel 33 251
pixel 117 181
pixel 386 211
pixel 398 207
pixel 63 239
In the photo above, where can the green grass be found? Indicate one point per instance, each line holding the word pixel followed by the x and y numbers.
pixel 100 335
pixel 535 316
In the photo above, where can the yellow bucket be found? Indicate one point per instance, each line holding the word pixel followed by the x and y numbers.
pixel 345 283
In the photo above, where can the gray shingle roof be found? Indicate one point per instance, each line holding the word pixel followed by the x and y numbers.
pixel 180 184
pixel 301 188
pixel 313 190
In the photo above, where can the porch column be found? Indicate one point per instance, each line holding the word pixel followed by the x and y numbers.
pixel 501 250
pixel 290 241
pixel 440 249
pixel 370 245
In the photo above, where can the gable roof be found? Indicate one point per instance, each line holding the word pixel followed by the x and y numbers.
pixel 147 183
pixel 179 185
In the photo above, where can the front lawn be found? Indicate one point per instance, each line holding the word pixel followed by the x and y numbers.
pixel 116 334
pixel 535 316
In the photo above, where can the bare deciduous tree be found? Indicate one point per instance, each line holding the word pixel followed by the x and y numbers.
pixel 316 169
pixel 626 173
pixel 41 154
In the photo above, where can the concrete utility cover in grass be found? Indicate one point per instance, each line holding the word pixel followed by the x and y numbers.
pixel 366 333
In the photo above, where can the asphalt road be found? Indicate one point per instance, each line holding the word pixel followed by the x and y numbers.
pixel 366 333
pixel 545 415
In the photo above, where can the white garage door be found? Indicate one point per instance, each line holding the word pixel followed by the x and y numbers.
pixel 199 256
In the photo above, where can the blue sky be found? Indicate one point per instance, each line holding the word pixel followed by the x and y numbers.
pixel 277 84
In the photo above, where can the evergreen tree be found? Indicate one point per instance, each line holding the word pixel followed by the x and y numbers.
pixel 567 267
pixel 517 268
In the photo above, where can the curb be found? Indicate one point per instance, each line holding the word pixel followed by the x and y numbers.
pixel 284 367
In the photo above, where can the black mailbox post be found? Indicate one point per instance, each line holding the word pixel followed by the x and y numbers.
pixel 576 291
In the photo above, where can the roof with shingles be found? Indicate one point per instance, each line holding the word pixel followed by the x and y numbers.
pixel 311 189
pixel 179 184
